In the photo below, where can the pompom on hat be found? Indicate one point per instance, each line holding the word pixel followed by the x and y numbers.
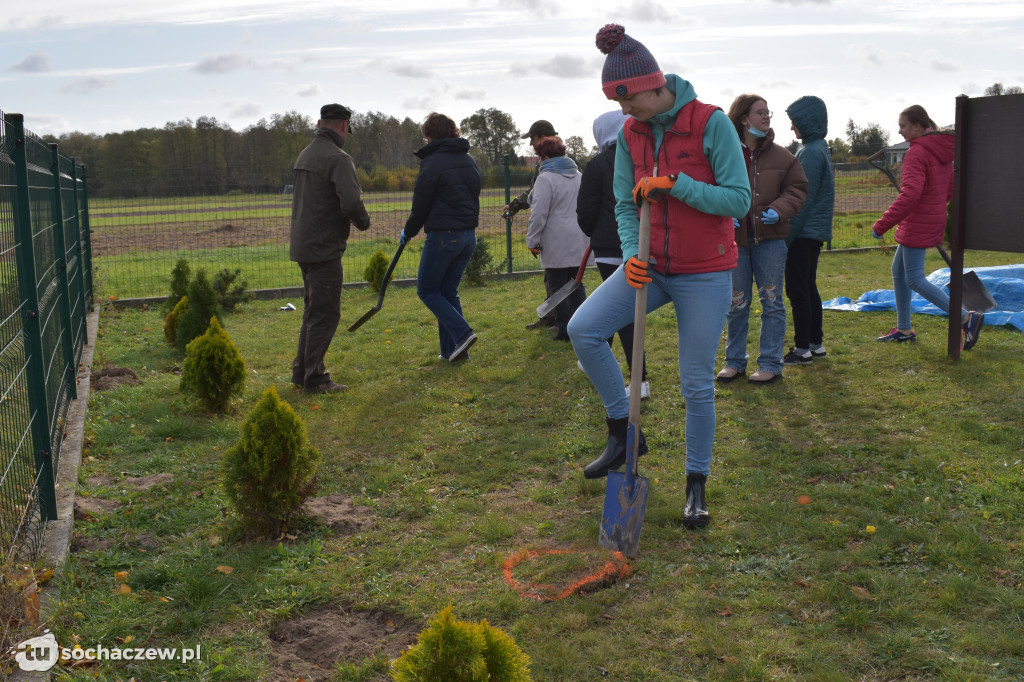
pixel 629 67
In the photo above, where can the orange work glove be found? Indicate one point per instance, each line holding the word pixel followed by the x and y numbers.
pixel 651 188
pixel 636 273
pixel 535 252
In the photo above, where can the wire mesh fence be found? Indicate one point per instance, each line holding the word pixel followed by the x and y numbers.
pixel 136 242
pixel 45 293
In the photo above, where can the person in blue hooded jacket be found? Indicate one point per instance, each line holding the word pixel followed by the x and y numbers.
pixel 809 229
pixel 446 205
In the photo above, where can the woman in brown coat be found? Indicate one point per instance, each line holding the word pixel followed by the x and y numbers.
pixel 779 189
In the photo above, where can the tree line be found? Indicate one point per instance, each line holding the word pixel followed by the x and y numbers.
pixel 207 157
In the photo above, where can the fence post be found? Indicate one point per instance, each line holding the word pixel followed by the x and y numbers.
pixel 60 250
pixel 82 301
pixel 36 374
pixel 85 246
pixel 508 221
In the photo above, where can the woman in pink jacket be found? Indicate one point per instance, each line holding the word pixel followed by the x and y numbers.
pixel 919 214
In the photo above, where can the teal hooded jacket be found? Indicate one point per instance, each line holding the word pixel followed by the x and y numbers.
pixel 814 221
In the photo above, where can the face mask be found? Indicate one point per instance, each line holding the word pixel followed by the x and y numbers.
pixel 756 133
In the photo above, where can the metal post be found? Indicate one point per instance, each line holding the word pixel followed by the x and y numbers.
pixel 85 244
pixel 956 266
pixel 35 371
pixel 60 250
pixel 83 301
pixel 508 221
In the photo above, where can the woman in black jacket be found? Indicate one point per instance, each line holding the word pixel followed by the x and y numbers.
pixel 446 204
pixel 595 212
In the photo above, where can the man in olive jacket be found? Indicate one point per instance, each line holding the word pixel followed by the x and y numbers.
pixel 327 200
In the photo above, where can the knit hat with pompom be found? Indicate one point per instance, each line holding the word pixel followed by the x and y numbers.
pixel 629 67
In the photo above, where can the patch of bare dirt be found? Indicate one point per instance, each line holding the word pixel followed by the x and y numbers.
pixel 339 513
pixel 147 482
pixel 88 507
pixel 100 480
pixel 112 376
pixel 308 647
pixel 80 544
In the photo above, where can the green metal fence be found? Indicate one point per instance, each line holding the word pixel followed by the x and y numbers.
pixel 136 242
pixel 45 292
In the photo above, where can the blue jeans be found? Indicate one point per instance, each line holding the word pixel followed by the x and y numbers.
pixel 445 257
pixel 907 277
pixel 701 303
pixel 764 263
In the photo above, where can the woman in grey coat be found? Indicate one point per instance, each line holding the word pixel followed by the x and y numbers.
pixel 554 234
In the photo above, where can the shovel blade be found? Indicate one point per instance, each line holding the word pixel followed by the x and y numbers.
pixel 976 295
pixel 552 301
pixel 625 500
pixel 367 315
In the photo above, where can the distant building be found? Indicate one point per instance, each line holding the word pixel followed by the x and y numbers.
pixel 895 153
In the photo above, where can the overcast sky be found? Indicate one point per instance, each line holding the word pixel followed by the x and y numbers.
pixel 111 65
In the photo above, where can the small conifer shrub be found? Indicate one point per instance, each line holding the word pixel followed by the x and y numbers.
pixel 479 265
pixel 230 292
pixel 181 275
pixel 272 468
pixel 450 650
pixel 202 305
pixel 375 269
pixel 171 321
pixel 213 370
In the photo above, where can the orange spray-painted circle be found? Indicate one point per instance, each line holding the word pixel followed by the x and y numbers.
pixel 614 568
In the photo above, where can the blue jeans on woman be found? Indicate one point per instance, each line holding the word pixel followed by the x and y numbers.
pixel 701 303
pixel 764 263
pixel 907 277
pixel 446 254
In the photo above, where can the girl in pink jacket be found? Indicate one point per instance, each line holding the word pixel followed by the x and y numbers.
pixel 919 214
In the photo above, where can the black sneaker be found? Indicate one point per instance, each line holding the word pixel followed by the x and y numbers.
pixel 818 352
pixel 793 358
pixel 460 350
pixel 972 328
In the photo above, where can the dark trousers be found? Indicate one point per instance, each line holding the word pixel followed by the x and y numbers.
pixel 626 333
pixel 802 291
pixel 556 278
pixel 321 312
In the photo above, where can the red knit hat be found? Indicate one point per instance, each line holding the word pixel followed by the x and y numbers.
pixel 629 67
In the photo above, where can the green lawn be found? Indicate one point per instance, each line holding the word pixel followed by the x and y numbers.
pixel 905 564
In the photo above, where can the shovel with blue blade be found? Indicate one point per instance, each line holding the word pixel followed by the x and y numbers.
pixel 625 495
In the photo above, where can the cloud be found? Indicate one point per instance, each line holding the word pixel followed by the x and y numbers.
pixel 651 11
pixel 540 8
pixel 410 70
pixel 249 110
pixel 309 90
pixel 872 56
pixel 939 65
pixel 401 68
pixel 83 86
pixel 44 22
pixel 223 63
pixel 471 95
pixel 37 62
pixel 803 2
pixel 566 66
pixel 559 66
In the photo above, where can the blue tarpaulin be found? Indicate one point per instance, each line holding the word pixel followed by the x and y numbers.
pixel 1004 282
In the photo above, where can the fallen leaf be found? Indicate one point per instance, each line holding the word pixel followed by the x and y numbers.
pixel 121 576
pixel 43 576
pixel 860 592
pixel 123 589
pixel 803 499
pixel 226 570
pixel 165 599
pixel 168 439
pixel 870 530
pixel 214 540
pixel 724 612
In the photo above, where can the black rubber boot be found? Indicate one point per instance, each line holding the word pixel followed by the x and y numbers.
pixel 695 515
pixel 614 454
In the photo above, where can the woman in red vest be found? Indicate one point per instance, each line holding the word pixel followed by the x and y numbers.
pixel 683 156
